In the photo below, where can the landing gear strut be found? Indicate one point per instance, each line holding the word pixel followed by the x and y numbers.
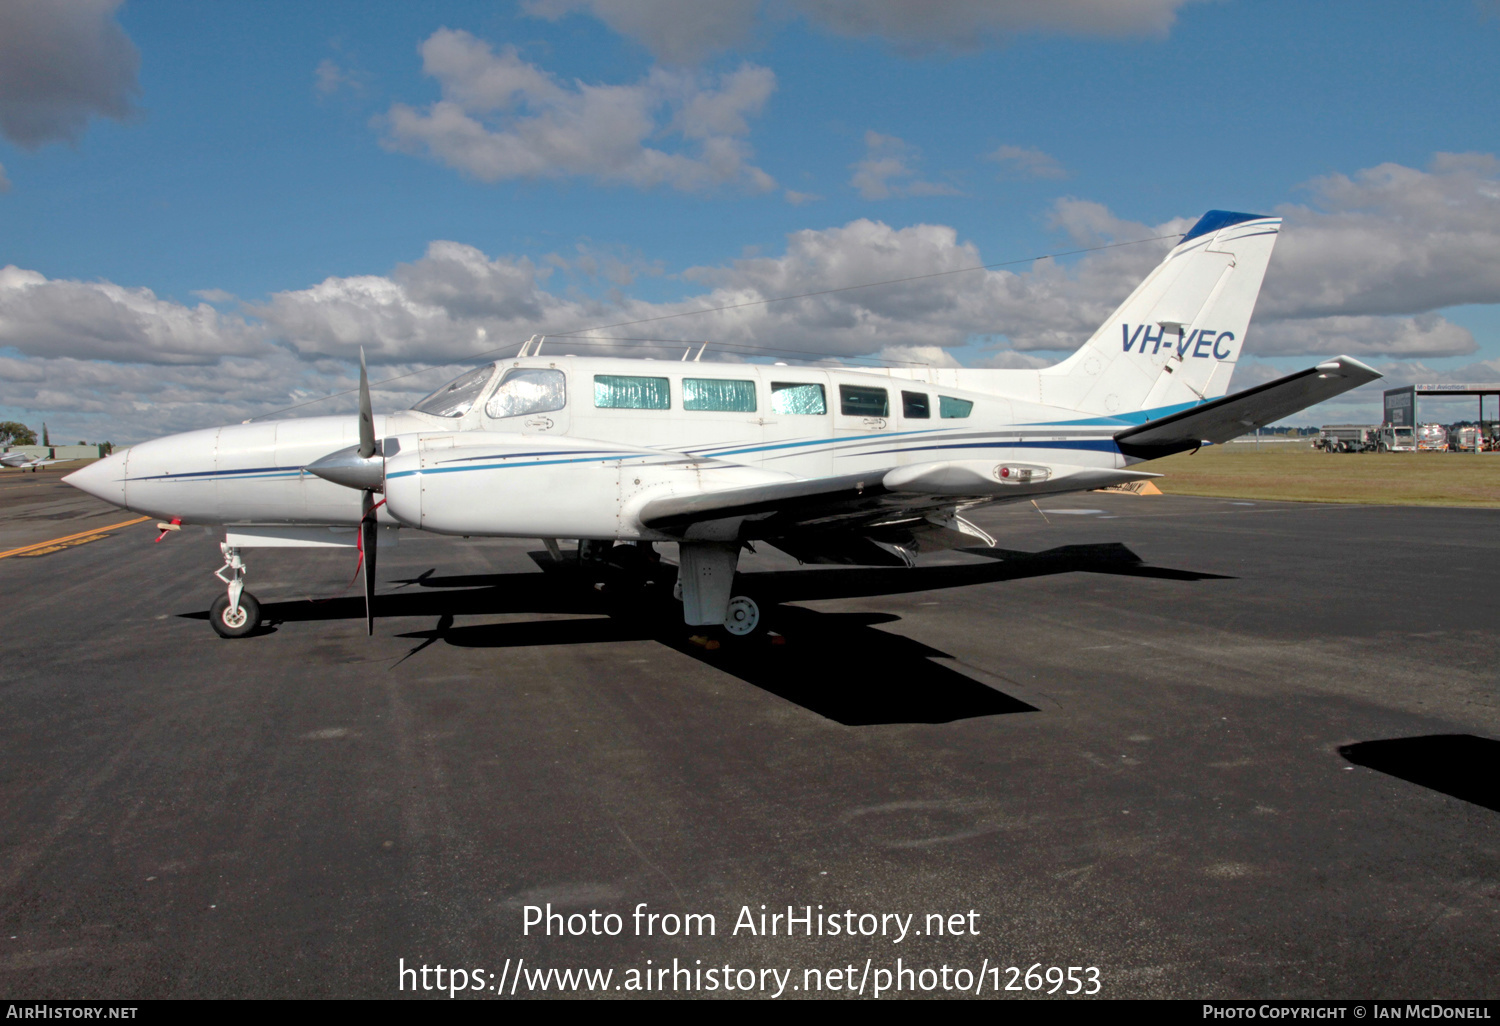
pixel 237 613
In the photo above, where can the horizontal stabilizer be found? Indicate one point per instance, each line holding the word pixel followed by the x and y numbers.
pixel 1223 419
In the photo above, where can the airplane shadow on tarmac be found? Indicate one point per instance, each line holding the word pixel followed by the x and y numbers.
pixel 832 663
pixel 1461 766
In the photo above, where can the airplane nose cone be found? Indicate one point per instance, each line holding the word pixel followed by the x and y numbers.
pixel 104 479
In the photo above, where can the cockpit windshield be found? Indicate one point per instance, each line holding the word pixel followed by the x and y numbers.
pixel 457 397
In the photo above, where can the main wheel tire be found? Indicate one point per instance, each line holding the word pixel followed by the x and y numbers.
pixel 744 618
pixel 227 624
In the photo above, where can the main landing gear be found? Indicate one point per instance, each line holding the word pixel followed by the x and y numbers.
pixel 633 572
pixel 705 584
pixel 237 613
pixel 743 619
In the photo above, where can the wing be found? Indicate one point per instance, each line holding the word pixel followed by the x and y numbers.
pixel 879 518
pixel 1222 419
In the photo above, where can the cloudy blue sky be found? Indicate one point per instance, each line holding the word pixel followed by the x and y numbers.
pixel 206 208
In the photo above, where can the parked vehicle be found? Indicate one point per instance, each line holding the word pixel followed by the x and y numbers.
pixel 1465 438
pixel 1392 438
pixel 1347 438
pixel 1432 438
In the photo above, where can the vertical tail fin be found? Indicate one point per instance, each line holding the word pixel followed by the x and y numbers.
pixel 1175 341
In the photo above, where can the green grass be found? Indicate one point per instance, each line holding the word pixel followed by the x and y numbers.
pixel 1299 473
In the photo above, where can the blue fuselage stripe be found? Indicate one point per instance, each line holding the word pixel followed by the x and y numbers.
pixel 248 473
pixel 533 463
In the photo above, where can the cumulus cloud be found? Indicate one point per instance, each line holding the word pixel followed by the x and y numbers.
pixel 1391 240
pixel 103 321
pixel 502 118
pixel 62 62
pixel 126 403
pixel 681 31
pixel 331 77
pixel 1361 270
pixel 676 31
pixel 966 25
pixel 616 265
pixel 927 356
pixel 457 302
pixel 887 170
pixel 1427 335
pixel 1024 162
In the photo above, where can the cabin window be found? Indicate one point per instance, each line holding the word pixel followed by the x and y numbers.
pixel 796 398
pixel 617 392
pixel 458 396
pixel 859 401
pixel 951 407
pixel 528 390
pixel 718 394
pixel 915 405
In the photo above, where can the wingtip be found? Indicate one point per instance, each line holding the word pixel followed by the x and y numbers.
pixel 1345 364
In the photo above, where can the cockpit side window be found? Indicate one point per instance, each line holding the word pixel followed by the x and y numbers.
pixel 458 396
pixel 528 390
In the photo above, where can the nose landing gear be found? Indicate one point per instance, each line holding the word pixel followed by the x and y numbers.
pixel 237 613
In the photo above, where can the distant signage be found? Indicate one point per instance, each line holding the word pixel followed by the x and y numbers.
pixel 1401 407
pixel 1470 388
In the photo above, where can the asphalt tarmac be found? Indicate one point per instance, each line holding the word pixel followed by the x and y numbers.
pixel 1209 748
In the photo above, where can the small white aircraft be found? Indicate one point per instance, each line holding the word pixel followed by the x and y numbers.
pixel 831 465
pixel 25 462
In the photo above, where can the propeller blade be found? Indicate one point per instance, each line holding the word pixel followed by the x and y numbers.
pixel 366 417
pixel 368 532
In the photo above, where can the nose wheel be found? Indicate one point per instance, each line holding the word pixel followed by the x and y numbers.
pixel 237 612
pixel 235 621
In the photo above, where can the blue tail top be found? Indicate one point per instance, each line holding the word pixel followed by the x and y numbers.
pixel 1216 219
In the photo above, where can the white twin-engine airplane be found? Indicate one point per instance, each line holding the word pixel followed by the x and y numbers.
pixel 830 465
pixel 25 462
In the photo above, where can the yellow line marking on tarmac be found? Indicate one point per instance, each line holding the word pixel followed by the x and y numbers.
pixel 53 544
